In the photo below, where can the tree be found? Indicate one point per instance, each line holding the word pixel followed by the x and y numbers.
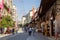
pixel 6 21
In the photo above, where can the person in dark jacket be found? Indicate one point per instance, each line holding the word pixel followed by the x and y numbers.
pixel 13 31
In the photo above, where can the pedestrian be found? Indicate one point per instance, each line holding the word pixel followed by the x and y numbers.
pixel 30 31
pixel 1 30
pixel 13 31
pixel 34 30
pixel 16 30
pixel 25 29
pixel 57 27
pixel 5 30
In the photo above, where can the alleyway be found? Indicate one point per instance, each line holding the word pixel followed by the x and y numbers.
pixel 25 36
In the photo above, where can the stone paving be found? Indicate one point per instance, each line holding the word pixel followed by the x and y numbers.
pixel 24 36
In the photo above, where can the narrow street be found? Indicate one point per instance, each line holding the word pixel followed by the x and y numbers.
pixel 20 18
pixel 25 36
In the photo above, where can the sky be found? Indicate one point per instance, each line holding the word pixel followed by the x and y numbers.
pixel 23 6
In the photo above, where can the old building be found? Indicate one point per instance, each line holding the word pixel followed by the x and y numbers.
pixel 47 12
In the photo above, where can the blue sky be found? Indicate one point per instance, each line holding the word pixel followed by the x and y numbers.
pixel 23 6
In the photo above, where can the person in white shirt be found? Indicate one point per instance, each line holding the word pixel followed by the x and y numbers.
pixel 30 31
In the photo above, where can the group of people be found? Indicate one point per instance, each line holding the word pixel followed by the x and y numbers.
pixel 8 30
pixel 30 30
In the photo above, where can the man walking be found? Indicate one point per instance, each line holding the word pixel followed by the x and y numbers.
pixel 30 31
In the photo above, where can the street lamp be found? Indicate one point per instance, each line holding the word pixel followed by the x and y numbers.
pixel 51 18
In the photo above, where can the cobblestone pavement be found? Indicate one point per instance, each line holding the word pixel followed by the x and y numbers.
pixel 25 36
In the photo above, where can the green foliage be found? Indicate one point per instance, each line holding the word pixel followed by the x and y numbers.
pixel 6 22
